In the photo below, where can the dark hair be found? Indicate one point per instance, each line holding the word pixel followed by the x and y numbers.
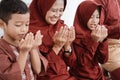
pixel 9 7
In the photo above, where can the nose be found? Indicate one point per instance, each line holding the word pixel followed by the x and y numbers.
pixel 58 14
pixel 24 29
pixel 95 20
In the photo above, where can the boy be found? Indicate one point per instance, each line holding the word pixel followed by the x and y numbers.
pixel 19 55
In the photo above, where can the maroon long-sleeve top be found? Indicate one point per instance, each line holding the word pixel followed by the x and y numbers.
pixel 57 68
pixel 9 67
pixel 89 53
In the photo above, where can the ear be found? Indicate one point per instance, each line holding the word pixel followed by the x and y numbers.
pixel 2 23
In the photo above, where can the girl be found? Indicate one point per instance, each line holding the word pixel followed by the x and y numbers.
pixel 90 45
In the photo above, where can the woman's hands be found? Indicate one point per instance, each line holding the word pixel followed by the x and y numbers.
pixel 63 38
pixel 59 39
pixel 70 38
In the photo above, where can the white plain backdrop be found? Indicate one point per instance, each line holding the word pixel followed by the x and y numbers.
pixel 68 15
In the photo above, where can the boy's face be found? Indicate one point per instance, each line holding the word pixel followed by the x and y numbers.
pixel 94 20
pixel 17 26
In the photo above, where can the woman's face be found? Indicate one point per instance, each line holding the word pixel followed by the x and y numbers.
pixel 55 12
pixel 94 20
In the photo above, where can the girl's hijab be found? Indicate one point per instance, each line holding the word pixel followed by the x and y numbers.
pixel 83 14
pixel 38 10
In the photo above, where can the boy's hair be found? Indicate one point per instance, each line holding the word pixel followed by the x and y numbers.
pixel 9 7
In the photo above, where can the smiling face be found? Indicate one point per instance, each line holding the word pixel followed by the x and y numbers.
pixel 17 27
pixel 55 12
pixel 94 20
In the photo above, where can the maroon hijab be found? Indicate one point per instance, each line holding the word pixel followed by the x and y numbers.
pixel 83 14
pixel 38 10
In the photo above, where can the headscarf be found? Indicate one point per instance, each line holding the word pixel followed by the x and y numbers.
pixel 38 10
pixel 83 14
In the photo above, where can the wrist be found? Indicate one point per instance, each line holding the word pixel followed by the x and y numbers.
pixel 56 49
pixel 68 47
pixel 34 50
pixel 68 50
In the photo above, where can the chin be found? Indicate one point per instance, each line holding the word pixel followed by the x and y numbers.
pixel 20 38
pixel 53 23
pixel 91 29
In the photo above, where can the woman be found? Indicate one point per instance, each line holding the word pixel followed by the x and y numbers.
pixel 57 38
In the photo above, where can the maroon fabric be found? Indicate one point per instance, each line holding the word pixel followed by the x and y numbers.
pixel 111 17
pixel 88 52
pixel 9 68
pixel 83 14
pixel 57 69
pixel 115 74
pixel 44 64
pixel 38 9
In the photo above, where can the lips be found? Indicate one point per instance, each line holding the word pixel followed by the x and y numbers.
pixel 54 20
pixel 21 35
pixel 93 25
